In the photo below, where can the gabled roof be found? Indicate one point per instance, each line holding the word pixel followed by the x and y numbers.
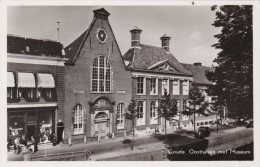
pixel 199 73
pixel 73 49
pixel 35 47
pixel 147 56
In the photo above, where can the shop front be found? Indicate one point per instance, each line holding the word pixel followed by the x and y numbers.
pixel 37 122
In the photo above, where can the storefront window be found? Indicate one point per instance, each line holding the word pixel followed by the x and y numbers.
pixel 45 126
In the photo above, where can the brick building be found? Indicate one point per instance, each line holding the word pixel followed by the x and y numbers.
pixel 85 92
pixel 35 86
pixel 98 86
pixel 155 69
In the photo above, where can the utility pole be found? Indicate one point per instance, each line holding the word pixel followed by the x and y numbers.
pixel 194 121
pixel 58 29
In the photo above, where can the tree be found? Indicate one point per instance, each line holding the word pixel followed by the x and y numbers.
pixel 233 73
pixel 197 104
pixel 131 114
pixel 167 108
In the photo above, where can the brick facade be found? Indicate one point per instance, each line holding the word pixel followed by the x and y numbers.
pixel 78 76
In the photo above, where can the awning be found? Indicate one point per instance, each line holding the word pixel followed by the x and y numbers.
pixel 10 80
pixel 46 81
pixel 26 80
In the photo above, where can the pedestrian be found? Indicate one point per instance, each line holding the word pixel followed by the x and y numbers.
pixel 53 139
pixel 17 147
pixel 31 145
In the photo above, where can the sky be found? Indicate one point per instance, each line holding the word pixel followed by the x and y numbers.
pixel 189 27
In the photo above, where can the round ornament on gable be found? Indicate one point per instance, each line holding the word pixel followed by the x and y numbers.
pixel 101 35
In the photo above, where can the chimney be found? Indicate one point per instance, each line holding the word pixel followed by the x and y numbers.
pixel 135 39
pixel 166 42
pixel 197 64
pixel 101 13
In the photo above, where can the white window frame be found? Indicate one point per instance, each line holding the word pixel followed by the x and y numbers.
pixel 144 86
pixel 156 87
pixel 185 87
pixel 178 105
pixel 153 112
pixel 168 86
pixel 10 92
pixel 49 92
pixel 98 80
pixel 78 119
pixel 176 87
pixel 141 121
pixel 120 116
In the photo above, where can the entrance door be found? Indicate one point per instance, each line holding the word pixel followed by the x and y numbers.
pixel 101 123
pixel 30 131
pixel 60 128
pixel 101 127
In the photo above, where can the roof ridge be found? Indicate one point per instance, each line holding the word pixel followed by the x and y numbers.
pixel 81 42
pixel 40 39
pixel 196 66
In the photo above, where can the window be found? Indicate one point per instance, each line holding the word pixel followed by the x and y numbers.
pixel 185 85
pixel 165 86
pixel 101 75
pixel 176 87
pixel 184 105
pixel 141 113
pixel 49 93
pixel 153 112
pixel 78 119
pixel 26 93
pixel 120 116
pixel 178 105
pixel 10 93
pixel 140 85
pixel 153 86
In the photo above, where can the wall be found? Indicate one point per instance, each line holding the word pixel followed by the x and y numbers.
pixel 78 76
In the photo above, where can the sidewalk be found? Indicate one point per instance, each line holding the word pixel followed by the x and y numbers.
pixel 113 147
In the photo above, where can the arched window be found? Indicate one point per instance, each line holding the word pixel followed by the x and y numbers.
pixel 120 116
pixel 101 75
pixel 78 119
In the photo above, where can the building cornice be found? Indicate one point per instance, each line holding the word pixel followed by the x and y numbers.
pixel 32 59
pixel 31 105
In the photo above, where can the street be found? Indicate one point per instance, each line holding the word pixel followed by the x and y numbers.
pixel 178 139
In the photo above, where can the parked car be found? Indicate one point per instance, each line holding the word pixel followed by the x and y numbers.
pixel 203 132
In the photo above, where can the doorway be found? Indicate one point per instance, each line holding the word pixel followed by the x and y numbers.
pixel 102 128
pixel 30 131
pixel 101 123
pixel 60 128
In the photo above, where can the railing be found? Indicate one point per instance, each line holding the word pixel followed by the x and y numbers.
pixel 68 156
